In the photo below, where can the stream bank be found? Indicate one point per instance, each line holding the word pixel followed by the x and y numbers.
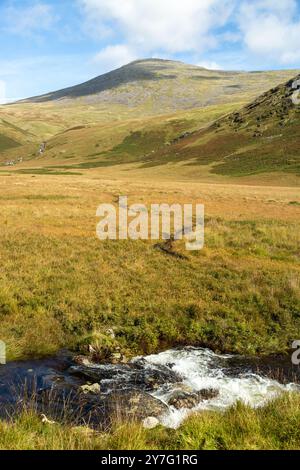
pixel 166 386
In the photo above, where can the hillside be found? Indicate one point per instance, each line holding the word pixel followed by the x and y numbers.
pixel 263 136
pixel 161 86
pixel 10 135
pixel 103 131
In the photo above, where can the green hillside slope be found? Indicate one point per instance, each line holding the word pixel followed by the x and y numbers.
pixel 263 136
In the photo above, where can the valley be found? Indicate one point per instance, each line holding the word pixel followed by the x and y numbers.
pixel 158 132
pixel 86 129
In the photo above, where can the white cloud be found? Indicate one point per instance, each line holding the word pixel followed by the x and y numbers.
pixel 211 65
pixel 266 29
pixel 29 19
pixel 271 29
pixel 114 56
pixel 169 26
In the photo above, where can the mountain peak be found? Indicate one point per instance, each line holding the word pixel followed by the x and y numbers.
pixel 152 59
pixel 161 86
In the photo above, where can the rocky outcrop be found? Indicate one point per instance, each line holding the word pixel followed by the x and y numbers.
pixel 124 377
pixel 183 399
pixel 135 405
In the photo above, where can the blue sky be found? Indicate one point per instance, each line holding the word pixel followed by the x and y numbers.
pixel 50 44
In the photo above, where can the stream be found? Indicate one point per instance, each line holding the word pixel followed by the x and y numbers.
pixel 168 386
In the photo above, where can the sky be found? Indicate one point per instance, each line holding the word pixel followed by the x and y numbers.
pixel 47 45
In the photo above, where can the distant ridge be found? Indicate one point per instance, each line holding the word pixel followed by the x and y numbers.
pixel 164 85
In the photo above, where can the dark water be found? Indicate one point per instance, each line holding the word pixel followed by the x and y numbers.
pixel 52 385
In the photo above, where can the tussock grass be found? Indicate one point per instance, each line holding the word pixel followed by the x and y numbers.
pixel 273 427
pixel 61 287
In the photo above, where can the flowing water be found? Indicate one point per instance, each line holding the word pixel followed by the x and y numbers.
pixel 253 381
pixel 235 378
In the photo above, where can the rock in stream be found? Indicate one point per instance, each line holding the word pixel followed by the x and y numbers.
pixel 164 387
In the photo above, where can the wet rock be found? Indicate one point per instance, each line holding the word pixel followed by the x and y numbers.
pixel 128 376
pixel 91 388
pixel 100 410
pixel 150 423
pixel 102 372
pixel 208 393
pixel 182 387
pixel 75 407
pixel 152 378
pixel 82 361
pixel 136 405
pixel 182 399
pixel 55 382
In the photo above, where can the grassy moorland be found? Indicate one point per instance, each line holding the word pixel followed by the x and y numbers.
pixel 274 427
pixel 61 287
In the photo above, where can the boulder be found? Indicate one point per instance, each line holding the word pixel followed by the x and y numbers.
pixel 150 423
pixel 136 405
pixel 128 376
pixel 82 361
pixel 183 399
pixel 208 394
pixel 180 399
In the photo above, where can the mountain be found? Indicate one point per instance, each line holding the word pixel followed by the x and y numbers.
pixel 262 137
pixel 160 86
pixel 155 113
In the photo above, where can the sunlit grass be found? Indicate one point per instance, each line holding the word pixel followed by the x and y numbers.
pixel 273 427
pixel 61 287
